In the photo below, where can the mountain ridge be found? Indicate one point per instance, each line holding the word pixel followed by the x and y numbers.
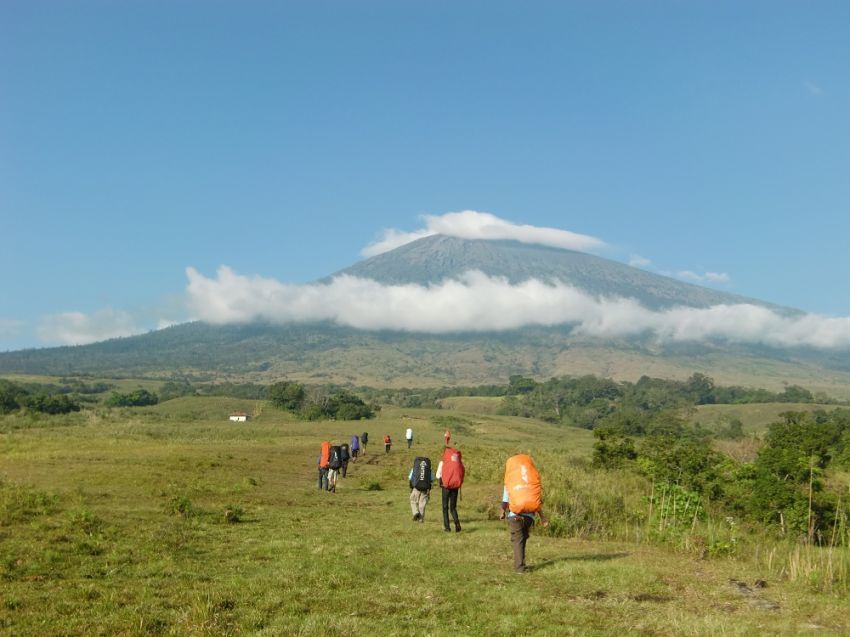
pixel 436 258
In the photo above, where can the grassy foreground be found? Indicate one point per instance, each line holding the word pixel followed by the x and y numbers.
pixel 174 521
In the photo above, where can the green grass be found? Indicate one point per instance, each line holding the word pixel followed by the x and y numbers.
pixel 116 523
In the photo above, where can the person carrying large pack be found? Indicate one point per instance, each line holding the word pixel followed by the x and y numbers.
pixel 345 456
pixel 450 473
pixel 334 464
pixel 420 487
pixel 364 440
pixel 355 447
pixel 322 462
pixel 522 499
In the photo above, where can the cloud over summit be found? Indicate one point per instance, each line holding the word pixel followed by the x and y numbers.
pixel 470 224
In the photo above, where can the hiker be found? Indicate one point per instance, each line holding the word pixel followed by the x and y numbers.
pixel 450 473
pixel 345 456
pixel 408 435
pixel 364 440
pixel 322 463
pixel 334 464
pixel 355 447
pixel 522 498
pixel 420 487
pixel 447 436
pixel 388 442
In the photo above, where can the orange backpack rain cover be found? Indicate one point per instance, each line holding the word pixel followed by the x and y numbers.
pixel 325 457
pixel 522 480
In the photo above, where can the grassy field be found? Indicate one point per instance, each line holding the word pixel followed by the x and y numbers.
pixel 174 521
pixel 755 417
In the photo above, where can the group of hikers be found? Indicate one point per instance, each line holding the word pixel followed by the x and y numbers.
pixel 522 497
pixel 333 460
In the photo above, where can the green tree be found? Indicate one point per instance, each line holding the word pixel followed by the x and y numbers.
pixel 287 395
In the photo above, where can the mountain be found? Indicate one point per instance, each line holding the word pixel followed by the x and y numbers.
pixel 324 352
pixel 437 258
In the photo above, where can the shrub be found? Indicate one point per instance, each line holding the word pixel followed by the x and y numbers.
pixel 233 514
pixel 180 505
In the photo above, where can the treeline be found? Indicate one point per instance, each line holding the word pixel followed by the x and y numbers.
pixel 590 402
pixel 15 397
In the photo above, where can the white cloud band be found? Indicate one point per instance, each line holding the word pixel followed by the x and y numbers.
pixel 476 302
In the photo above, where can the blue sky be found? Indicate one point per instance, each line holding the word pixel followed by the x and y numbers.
pixel 138 139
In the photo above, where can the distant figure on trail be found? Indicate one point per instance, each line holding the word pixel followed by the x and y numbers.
pixel 447 436
pixel 420 487
pixel 345 457
pixel 522 498
pixel 388 442
pixel 408 435
pixel 334 464
pixel 450 474
pixel 322 462
pixel 355 447
pixel 364 440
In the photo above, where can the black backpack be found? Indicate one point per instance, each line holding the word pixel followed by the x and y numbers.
pixel 335 458
pixel 345 454
pixel 364 438
pixel 421 479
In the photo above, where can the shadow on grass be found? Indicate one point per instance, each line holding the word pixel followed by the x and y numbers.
pixel 587 557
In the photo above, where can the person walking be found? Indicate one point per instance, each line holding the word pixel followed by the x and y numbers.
pixel 334 464
pixel 450 474
pixel 408 435
pixel 355 447
pixel 345 456
pixel 364 440
pixel 522 499
pixel 388 442
pixel 420 487
pixel 322 463
pixel 447 436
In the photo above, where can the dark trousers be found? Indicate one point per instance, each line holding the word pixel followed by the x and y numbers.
pixel 387 447
pixel 344 467
pixel 519 527
pixel 323 478
pixel 450 504
pixel 409 442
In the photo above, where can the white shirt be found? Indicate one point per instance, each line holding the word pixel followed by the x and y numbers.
pixel 409 433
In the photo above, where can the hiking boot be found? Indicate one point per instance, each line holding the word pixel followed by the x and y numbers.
pixel 457 528
pixel 447 530
pixel 416 517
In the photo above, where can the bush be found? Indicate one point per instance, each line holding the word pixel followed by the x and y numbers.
pixel 180 505
pixel 233 514
pixel 45 404
pixel 138 398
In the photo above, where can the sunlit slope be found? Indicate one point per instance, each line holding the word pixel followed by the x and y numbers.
pixel 437 258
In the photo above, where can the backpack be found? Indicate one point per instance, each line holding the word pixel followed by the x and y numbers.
pixel 355 443
pixel 522 481
pixel 345 453
pixel 335 460
pixel 421 479
pixel 325 455
pixel 453 469
pixel 365 438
